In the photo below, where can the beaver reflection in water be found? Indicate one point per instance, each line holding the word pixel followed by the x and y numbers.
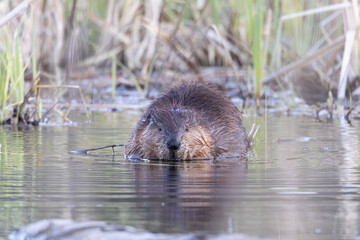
pixel 190 121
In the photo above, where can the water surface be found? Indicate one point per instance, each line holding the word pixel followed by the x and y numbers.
pixel 301 181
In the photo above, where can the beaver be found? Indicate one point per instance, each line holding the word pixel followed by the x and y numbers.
pixel 192 120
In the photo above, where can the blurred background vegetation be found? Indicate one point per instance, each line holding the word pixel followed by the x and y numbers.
pixel 305 48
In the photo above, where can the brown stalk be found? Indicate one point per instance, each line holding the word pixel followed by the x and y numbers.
pixel 72 87
pixel 29 94
pixel 48 111
pixel 226 46
pixel 68 39
pixel 89 73
pixel 67 111
pixel 62 115
pixel 175 47
pixel 334 46
pixel 99 58
pixel 15 12
pixel 105 26
pixel 98 106
pixel 225 43
pixel 347 116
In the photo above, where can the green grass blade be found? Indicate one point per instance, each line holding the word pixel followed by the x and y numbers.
pixel 113 76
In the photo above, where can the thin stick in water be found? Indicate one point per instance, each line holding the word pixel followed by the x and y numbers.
pixel 85 151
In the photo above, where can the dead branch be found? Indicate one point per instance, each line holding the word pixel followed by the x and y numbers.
pixel 85 151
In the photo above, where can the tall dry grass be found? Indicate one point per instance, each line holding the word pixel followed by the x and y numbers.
pixel 173 38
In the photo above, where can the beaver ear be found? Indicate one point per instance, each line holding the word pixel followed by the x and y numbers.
pixel 155 117
pixel 147 117
pixel 152 116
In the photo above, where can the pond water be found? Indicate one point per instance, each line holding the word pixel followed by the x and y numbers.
pixel 301 181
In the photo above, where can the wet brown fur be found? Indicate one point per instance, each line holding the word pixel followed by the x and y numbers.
pixel 197 116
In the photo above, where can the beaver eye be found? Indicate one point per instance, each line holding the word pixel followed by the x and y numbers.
pixel 186 129
pixel 160 129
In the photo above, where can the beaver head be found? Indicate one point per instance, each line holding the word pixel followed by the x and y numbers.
pixel 174 134
pixel 192 120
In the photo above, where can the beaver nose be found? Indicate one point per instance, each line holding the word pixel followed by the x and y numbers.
pixel 173 144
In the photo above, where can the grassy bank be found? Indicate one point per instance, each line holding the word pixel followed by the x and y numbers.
pixel 281 44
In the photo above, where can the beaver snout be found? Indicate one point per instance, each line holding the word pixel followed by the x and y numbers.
pixel 173 144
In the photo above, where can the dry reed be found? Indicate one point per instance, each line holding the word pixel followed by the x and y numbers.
pixel 156 36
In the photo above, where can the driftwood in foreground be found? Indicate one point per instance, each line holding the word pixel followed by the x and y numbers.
pixel 62 229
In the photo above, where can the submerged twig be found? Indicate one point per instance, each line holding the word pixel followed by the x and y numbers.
pixel 347 116
pixel 85 151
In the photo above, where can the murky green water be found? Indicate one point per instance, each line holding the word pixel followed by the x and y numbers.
pixel 287 189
